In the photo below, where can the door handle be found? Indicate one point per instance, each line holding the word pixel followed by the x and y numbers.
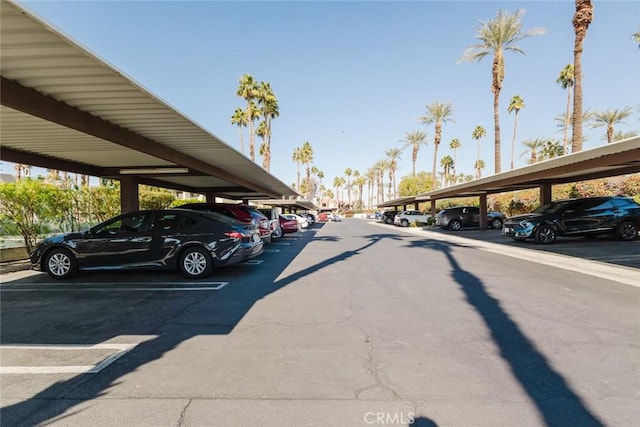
pixel 141 239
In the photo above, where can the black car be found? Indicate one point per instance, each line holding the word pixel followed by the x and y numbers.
pixel 175 239
pixel 467 216
pixel 577 217
pixel 388 216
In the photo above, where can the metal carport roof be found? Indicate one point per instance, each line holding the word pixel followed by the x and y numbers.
pixel 617 158
pixel 65 108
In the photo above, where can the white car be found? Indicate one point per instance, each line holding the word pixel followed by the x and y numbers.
pixel 302 221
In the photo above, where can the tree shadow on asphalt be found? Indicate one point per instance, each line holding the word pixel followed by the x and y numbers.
pixel 554 399
pixel 169 319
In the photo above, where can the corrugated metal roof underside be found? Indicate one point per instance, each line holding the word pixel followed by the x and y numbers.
pixel 39 57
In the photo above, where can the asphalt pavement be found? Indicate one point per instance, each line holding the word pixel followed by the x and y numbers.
pixel 345 324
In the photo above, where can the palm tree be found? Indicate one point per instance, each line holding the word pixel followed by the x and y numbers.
pixel 533 147
pixel 371 183
pixel 581 21
pixel 297 157
pixel 261 131
pixel 269 109
pixel 620 135
pixel 479 165
pixel 454 145
pixel 610 118
pixel 306 157
pixel 248 90
pixel 566 80
pixel 447 165
pixel 516 104
pixel 478 133
pixel 348 172
pixel 437 113
pixel 415 140
pixel 239 119
pixel 498 36
pixel 393 155
pixel 360 182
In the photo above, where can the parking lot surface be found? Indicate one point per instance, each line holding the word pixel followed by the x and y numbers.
pixel 344 324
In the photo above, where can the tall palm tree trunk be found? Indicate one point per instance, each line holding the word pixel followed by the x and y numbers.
pixel 513 142
pixel 252 144
pixel 581 21
pixel 496 126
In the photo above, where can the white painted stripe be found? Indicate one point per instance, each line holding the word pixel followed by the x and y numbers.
pixel 281 243
pixel 217 288
pixel 73 369
pixel 63 283
pixel 270 251
pixel 102 346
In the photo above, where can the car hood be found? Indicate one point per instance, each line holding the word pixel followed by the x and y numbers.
pixel 526 217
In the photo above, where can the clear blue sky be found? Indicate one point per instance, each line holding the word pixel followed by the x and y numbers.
pixel 352 78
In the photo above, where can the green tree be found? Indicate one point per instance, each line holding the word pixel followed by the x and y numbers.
pixel 415 140
pixel 581 21
pixel 498 36
pixel 248 90
pixel 610 118
pixel 347 173
pixel 477 134
pixel 239 118
pixel 447 165
pixel 566 80
pixel 415 184
pixel 297 157
pixel 306 157
pixel 31 205
pixel 269 109
pixel 454 145
pixel 393 155
pixel 479 165
pixel 516 104
pixel 438 113
pixel 550 149
pixel 360 182
pixel 155 198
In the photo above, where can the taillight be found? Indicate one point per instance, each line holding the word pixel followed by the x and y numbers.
pixel 234 234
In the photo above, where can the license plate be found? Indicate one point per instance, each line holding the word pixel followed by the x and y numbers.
pixel 506 231
pixel 256 238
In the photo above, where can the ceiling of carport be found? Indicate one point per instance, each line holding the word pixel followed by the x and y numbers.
pixel 64 108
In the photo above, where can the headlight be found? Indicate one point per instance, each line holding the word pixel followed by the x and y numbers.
pixel 526 224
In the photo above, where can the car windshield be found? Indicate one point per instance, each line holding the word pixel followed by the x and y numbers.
pixel 551 208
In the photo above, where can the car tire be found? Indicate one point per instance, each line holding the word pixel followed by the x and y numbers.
pixel 496 223
pixel 545 234
pixel 195 263
pixel 404 223
pixel 60 264
pixel 455 225
pixel 627 230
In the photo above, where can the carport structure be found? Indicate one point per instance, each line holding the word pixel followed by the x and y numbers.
pixel 290 205
pixel 64 108
pixel 618 158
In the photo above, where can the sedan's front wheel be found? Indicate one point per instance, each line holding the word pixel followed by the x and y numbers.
pixel 196 263
pixel 545 234
pixel 627 230
pixel 496 223
pixel 60 264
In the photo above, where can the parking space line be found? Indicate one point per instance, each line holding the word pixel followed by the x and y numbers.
pixel 72 369
pixel 281 243
pixel 254 262
pixel 127 286
pixel 270 251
